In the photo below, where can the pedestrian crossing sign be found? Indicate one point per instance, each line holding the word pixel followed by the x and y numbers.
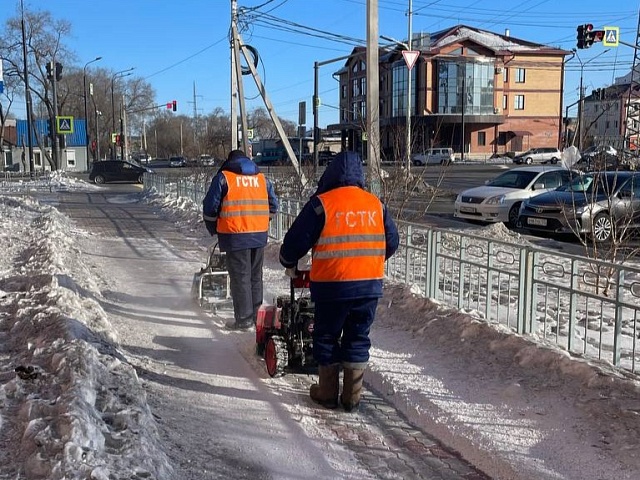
pixel 611 37
pixel 64 125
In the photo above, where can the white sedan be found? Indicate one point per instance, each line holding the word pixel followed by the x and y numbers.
pixel 499 200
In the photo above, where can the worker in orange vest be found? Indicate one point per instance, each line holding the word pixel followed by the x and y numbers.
pixel 237 208
pixel 350 235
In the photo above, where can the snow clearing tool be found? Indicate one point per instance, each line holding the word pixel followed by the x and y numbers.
pixel 283 330
pixel 211 286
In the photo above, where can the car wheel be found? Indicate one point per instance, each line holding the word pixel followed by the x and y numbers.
pixel 514 213
pixel 554 161
pixel 416 163
pixel 528 161
pixel 602 228
pixel 141 178
pixel 99 179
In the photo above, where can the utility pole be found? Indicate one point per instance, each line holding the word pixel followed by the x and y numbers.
pixel 632 119
pixel 234 77
pixel 239 47
pixel 196 127
pixel 27 93
pixel 373 98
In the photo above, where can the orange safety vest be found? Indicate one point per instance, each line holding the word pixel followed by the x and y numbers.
pixel 245 208
pixel 352 243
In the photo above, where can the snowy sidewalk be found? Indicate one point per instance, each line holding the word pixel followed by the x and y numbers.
pixel 513 409
pixel 217 410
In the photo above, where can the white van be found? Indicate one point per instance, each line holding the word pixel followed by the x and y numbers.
pixel 433 156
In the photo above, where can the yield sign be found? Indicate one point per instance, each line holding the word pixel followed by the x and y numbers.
pixel 410 57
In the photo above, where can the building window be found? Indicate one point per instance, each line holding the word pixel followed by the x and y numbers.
pixel 399 90
pixel 37 158
pixel 518 102
pixel 71 158
pixel 606 125
pixel 482 139
pixel 344 91
pixel 505 102
pixel 520 75
pixel 465 86
pixel 505 75
pixel 354 88
pixel 363 86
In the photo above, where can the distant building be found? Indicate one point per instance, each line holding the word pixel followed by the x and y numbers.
pixel 73 153
pixel 604 113
pixel 508 90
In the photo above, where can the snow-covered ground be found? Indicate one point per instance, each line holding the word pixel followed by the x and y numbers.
pixel 72 405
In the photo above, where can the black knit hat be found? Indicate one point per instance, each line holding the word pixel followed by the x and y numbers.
pixel 236 154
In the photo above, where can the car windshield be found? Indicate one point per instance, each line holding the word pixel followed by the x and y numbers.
pixel 590 183
pixel 513 179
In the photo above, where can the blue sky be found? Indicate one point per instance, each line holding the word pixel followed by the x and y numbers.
pixel 175 44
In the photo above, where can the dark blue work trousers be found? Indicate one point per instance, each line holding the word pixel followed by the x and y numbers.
pixel 341 331
pixel 245 275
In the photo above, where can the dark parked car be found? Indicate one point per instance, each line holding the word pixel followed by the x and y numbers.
pixel 598 204
pixel 117 171
pixel 177 162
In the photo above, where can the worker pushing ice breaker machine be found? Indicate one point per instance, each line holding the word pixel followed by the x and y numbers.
pixel 283 330
pixel 211 286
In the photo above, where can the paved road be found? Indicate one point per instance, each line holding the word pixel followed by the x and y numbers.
pixel 170 344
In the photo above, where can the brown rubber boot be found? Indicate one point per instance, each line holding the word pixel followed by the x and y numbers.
pixel 351 388
pixel 325 392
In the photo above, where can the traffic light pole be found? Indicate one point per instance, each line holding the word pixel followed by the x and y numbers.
pixel 55 151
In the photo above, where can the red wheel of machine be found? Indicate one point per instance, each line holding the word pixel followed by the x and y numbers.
pixel 276 356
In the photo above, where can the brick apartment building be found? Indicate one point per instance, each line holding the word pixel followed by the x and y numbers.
pixel 485 92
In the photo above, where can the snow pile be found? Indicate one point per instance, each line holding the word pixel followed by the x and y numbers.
pixel 70 405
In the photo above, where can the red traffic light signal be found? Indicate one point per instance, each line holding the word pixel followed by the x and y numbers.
pixel 175 105
pixel 586 35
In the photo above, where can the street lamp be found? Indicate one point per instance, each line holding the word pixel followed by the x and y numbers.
pixel 122 73
pixel 86 115
pixel 581 101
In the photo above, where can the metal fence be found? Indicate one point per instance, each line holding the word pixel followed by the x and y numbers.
pixel 586 306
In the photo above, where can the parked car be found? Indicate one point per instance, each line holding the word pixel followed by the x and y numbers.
pixel 598 157
pixel 594 150
pixel 177 162
pixel 594 204
pixel 143 158
pixel 117 171
pixel 539 155
pixel 206 160
pixel 499 200
pixel 433 156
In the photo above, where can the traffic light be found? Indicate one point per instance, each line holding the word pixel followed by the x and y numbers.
pixel 58 71
pixel 50 70
pixel 585 35
pixel 174 105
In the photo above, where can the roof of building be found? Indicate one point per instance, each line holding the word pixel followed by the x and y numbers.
pixel 491 40
pixel 498 43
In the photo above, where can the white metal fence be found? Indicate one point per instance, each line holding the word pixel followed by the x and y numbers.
pixel 585 306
